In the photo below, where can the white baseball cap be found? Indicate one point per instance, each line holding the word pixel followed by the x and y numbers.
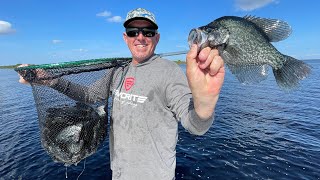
pixel 140 14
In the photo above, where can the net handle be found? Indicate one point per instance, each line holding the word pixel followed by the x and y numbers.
pixel 120 60
pixel 74 63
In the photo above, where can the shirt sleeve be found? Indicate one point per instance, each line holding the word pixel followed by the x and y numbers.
pixel 180 101
pixel 98 91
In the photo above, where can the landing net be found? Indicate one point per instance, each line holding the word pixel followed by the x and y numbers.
pixel 73 116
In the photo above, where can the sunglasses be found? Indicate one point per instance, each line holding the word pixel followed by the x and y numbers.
pixel 146 32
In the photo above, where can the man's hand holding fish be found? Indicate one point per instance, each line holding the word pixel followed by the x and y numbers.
pixel 205 74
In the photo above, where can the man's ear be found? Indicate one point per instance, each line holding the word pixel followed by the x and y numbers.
pixel 157 37
pixel 124 35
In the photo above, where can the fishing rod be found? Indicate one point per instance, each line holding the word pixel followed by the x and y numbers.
pixel 173 53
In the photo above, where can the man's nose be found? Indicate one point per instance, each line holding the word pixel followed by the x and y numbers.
pixel 140 35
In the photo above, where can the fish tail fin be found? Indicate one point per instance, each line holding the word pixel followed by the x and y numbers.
pixel 292 71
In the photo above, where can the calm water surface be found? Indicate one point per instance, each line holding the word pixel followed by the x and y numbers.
pixel 260 132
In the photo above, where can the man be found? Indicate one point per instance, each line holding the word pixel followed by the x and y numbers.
pixel 151 96
pixel 144 134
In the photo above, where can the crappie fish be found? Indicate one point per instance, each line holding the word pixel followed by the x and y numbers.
pixel 245 46
pixel 72 133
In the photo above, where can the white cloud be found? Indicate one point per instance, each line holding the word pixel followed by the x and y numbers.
pixel 81 50
pixel 56 41
pixel 6 28
pixel 249 5
pixel 104 14
pixel 115 19
pixel 112 19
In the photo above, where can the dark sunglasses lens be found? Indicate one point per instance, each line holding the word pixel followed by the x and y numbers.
pixel 149 33
pixel 132 33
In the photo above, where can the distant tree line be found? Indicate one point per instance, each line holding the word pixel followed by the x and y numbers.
pixel 180 62
pixel 9 66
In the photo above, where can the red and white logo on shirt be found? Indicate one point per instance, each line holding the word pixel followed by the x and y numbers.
pixel 128 98
pixel 128 83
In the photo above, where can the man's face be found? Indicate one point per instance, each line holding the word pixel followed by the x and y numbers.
pixel 141 47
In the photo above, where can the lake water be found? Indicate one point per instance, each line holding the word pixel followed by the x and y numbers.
pixel 260 132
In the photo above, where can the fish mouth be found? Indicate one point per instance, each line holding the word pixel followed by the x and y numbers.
pixel 197 36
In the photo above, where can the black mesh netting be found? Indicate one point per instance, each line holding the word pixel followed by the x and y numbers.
pixel 71 126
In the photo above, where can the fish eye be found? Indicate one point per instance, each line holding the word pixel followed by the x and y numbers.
pixel 193 37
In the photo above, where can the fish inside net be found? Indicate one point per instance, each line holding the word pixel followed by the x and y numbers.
pixel 71 127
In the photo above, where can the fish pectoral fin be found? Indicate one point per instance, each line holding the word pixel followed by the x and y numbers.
pixel 249 74
pixel 275 29
pixel 230 54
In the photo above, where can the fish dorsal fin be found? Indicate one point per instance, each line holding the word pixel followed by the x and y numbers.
pixel 275 29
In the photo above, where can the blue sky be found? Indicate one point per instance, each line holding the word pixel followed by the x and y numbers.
pixel 51 31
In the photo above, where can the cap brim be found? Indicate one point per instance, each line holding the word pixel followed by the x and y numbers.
pixel 125 24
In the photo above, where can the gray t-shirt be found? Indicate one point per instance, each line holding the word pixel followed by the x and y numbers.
pixel 149 99
pixel 153 98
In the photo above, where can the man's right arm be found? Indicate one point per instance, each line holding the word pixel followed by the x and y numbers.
pixel 98 91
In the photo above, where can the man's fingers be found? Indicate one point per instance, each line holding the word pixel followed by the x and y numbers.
pixel 208 54
pixel 23 65
pixel 192 54
pixel 21 80
pixel 191 59
pixel 208 59
pixel 204 53
pixel 215 65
